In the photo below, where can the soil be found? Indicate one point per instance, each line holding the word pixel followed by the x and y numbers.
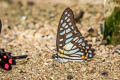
pixel 30 28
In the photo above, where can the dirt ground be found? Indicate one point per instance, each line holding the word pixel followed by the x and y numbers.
pixel 30 27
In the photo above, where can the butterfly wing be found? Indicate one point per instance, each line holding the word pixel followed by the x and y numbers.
pixel 5 66
pixel 71 46
pixel 81 48
pixel 66 29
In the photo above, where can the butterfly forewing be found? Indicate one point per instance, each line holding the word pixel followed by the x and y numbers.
pixel 66 29
pixel 70 43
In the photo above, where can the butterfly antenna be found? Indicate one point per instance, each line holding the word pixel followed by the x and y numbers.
pixel 20 57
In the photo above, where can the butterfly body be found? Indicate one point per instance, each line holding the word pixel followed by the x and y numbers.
pixel 70 43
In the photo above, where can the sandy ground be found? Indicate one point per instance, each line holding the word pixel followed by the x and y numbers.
pixel 30 28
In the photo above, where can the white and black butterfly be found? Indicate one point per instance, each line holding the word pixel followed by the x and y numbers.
pixel 70 43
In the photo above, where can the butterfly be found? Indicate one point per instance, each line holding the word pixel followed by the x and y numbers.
pixel 71 45
pixel 6 59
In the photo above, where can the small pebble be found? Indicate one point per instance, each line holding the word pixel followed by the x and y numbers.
pixel 79 15
pixel 20 71
pixel 4 41
pixel 92 32
pixel 90 70
pixel 45 63
pixel 97 39
pixel 94 39
pixel 51 15
pixel 117 49
pixel 30 2
pixel 23 18
pixel 104 73
pixel 9 27
pixel 105 55
pixel 83 69
pixel 69 77
pixel 104 42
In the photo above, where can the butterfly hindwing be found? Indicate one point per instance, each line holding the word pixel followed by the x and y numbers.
pixel 5 66
pixel 85 49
